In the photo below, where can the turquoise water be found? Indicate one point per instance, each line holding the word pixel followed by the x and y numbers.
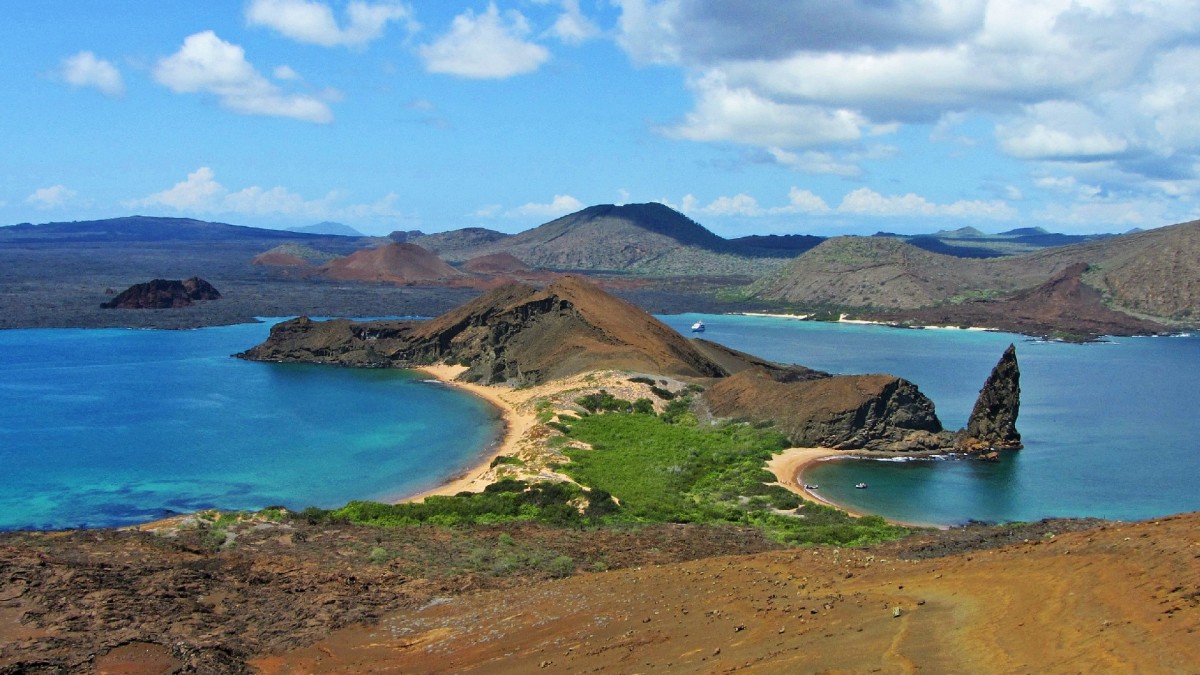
pixel 1110 430
pixel 114 427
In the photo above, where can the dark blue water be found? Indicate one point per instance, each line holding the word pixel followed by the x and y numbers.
pixel 113 427
pixel 1110 430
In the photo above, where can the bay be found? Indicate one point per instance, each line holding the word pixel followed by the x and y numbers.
pixel 1110 429
pixel 115 427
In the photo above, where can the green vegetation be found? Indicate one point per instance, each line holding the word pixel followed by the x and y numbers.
pixel 680 472
pixel 664 468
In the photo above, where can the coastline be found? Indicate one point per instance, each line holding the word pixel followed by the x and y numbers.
pixel 516 425
pixel 789 466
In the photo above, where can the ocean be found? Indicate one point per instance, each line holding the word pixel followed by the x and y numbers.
pixel 102 428
pixel 116 427
pixel 1111 429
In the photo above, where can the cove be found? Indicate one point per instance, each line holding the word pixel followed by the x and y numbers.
pixel 102 428
pixel 1110 429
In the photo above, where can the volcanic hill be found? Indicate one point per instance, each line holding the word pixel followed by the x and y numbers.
pixel 393 263
pixel 631 238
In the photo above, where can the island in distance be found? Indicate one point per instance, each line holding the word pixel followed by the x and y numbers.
pixel 522 335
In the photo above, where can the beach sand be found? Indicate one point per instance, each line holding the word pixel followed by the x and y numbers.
pixel 516 424
pixel 789 465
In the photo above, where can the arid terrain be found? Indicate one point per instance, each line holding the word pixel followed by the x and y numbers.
pixel 1057 596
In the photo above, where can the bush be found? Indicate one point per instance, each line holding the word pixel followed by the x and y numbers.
pixel 603 402
pixel 379 555
pixel 562 566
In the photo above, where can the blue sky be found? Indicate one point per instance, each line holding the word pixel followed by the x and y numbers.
pixel 752 117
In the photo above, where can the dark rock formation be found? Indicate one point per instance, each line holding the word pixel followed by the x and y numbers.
pixel 163 294
pixel 993 422
pixel 847 412
pixel 515 332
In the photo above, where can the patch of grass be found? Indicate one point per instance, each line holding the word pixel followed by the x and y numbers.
pixel 681 472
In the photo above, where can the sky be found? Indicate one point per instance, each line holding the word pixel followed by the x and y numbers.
pixel 822 117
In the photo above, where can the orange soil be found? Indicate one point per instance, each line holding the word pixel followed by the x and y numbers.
pixel 1119 599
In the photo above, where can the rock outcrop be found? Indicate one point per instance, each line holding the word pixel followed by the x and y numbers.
pixel 163 294
pixel 993 422
pixel 846 412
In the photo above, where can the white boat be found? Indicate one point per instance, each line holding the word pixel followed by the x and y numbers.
pixel 698 327
pixel 861 486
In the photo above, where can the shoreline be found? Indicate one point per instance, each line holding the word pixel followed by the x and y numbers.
pixel 516 425
pixel 789 467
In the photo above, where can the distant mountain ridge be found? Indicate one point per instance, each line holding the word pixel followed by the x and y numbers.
pixel 328 227
pixel 1152 273
pixel 145 228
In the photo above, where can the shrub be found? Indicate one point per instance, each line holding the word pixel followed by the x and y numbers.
pixel 561 566
pixel 379 555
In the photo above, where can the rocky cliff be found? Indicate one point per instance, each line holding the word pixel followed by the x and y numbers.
pixel 846 412
pixel 993 422
pixel 163 294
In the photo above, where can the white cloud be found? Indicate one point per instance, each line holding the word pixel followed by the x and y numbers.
pixel 207 64
pixel 314 23
pixel 804 201
pixel 1068 81
pixel 85 70
pixel 285 73
pixel 561 205
pixel 862 202
pixel 201 193
pixel 53 197
pixel 1059 130
pixel 741 114
pixel 866 202
pixel 813 162
pixel 485 46
pixel 572 27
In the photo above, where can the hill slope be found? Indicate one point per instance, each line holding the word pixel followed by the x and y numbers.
pixel 1152 273
pixel 633 238
pixel 1112 598
pixel 394 263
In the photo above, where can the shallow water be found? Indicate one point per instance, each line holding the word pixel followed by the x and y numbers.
pixel 114 427
pixel 1110 430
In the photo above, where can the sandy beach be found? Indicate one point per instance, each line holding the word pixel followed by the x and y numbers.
pixel 788 467
pixel 516 425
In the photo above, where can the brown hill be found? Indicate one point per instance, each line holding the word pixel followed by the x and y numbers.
pixel 515 332
pixel 395 263
pixel 1113 598
pixel 1064 306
